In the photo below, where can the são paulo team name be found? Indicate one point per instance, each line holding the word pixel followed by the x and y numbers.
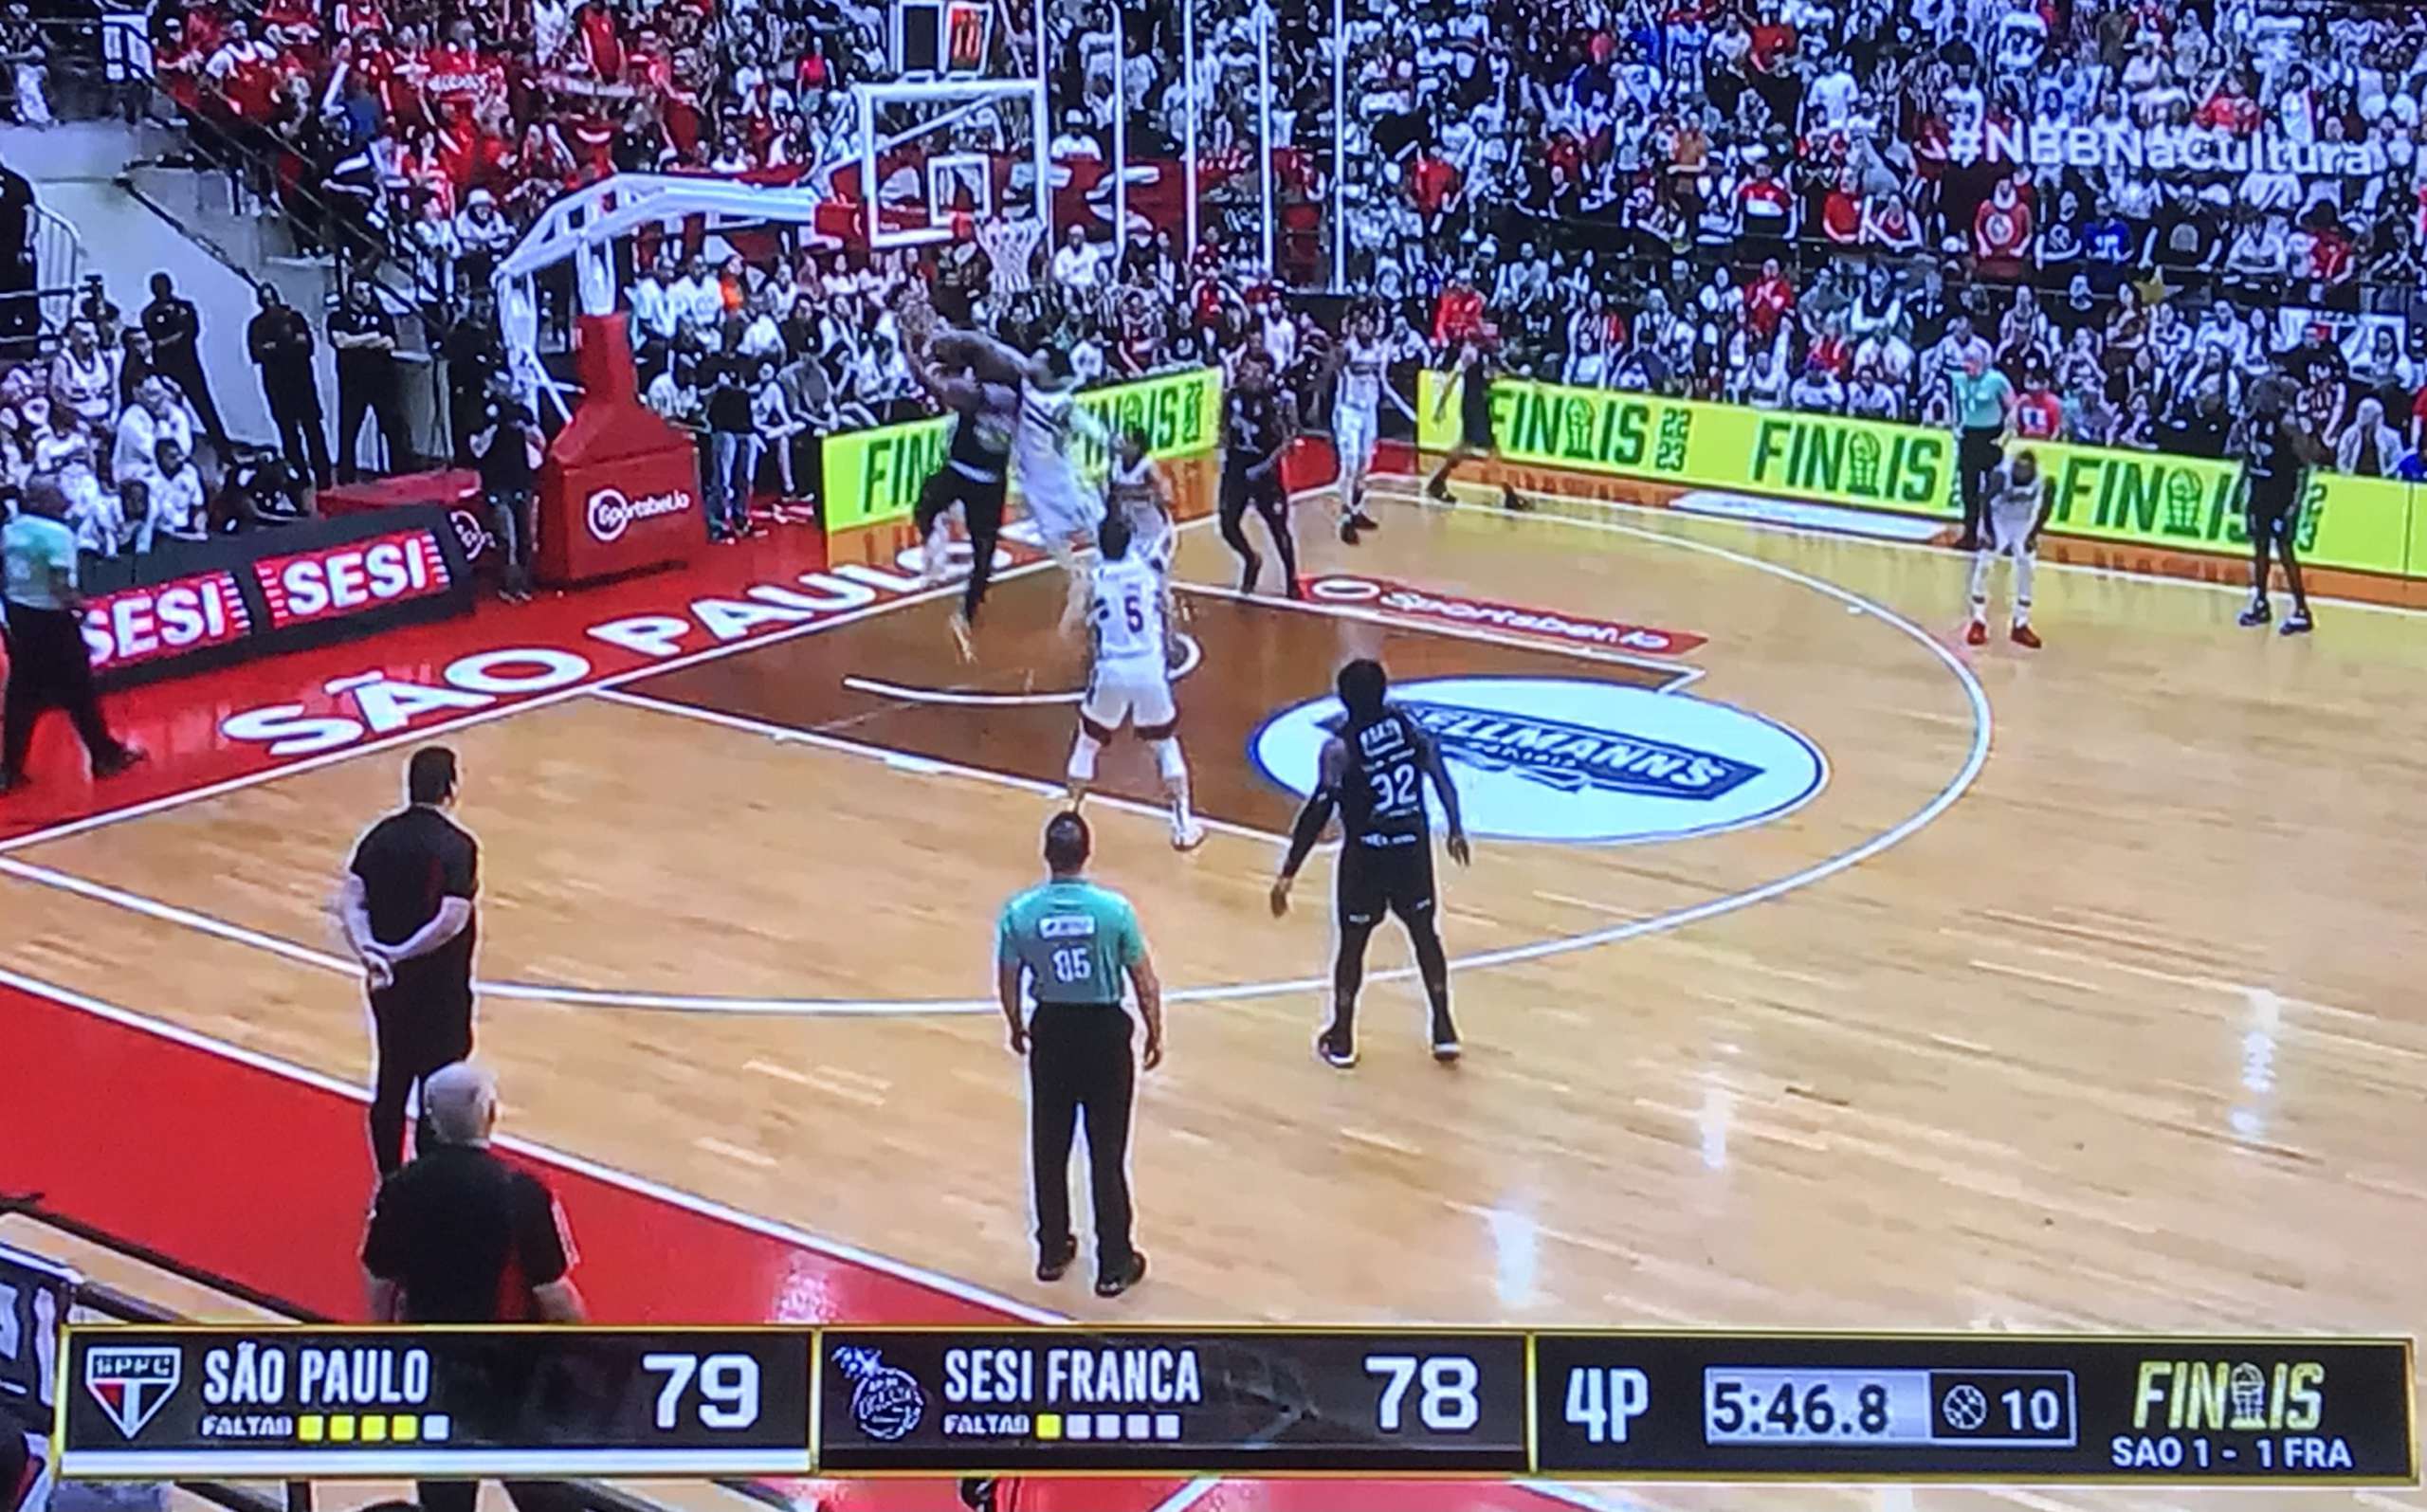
pixel 1074 1375
pixel 258 1375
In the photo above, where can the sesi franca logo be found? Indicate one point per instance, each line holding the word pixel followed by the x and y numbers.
pixel 1578 762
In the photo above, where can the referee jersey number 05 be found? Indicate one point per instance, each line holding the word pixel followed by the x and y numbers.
pixel 1075 939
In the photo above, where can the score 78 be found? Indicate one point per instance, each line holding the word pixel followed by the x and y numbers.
pixel 728 1388
pixel 1447 1403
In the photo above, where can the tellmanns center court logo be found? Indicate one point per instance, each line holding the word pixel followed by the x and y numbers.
pixel 1578 761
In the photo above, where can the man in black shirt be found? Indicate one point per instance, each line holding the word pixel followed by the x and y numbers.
pixel 280 340
pixel 365 338
pixel 461 1236
pixel 406 909
pixel 1372 770
pixel 732 455
pixel 508 446
pixel 175 329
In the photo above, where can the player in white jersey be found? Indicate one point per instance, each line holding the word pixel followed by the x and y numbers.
pixel 1130 682
pixel 1066 512
pixel 1137 490
pixel 1361 361
pixel 2017 508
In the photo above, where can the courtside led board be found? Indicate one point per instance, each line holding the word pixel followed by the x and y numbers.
pixel 298 1402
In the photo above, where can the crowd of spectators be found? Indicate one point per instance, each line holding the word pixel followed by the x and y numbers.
pixel 2138 209
pixel 121 416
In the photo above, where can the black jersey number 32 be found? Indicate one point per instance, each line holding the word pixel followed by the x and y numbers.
pixel 1397 788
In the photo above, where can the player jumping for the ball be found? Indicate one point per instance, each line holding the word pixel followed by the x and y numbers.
pixel 975 469
pixel 1372 770
pixel 1129 624
pixel 1065 513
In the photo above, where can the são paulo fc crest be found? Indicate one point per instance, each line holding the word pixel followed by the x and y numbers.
pixel 1580 762
pixel 133 1383
pixel 887 1402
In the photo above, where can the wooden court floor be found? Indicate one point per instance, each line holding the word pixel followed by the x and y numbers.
pixel 2079 995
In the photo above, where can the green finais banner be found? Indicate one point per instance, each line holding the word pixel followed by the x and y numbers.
pixel 2146 498
pixel 1863 462
pixel 873 477
pixel 2196 504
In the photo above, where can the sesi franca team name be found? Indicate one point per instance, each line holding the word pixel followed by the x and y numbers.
pixel 1065 1375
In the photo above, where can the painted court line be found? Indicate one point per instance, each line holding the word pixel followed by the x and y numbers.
pixel 1192 657
pixel 610 691
pixel 793 735
pixel 191 1039
pixel 1680 674
pixel 446 726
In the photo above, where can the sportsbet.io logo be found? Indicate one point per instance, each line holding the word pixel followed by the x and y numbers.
pixel 1578 761
pixel 133 1384
pixel 609 513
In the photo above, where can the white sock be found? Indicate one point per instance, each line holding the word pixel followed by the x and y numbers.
pixel 1083 759
pixel 2024 563
pixel 1981 564
pixel 1175 770
pixel 937 547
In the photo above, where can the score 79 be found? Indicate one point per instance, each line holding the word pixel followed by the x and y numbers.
pixel 728 1388
pixel 1445 1404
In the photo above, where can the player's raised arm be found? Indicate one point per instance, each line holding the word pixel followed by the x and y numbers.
pixel 1428 754
pixel 1331 768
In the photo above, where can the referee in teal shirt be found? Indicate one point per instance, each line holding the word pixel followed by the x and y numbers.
pixel 1074 942
pixel 48 666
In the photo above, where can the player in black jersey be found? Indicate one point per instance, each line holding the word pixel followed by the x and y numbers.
pixel 965 376
pixel 1478 365
pixel 1372 770
pixel 2277 453
pixel 1262 421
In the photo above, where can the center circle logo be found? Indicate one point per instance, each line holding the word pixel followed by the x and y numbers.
pixel 1578 761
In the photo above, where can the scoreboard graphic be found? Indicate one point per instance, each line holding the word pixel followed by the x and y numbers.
pixel 304 1402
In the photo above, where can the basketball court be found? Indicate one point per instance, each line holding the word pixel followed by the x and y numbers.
pixel 1815 970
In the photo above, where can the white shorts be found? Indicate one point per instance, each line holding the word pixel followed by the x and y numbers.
pixel 1131 691
pixel 2008 532
pixel 1060 507
pixel 1352 436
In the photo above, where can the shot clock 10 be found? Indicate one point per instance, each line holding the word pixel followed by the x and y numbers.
pixel 440 1403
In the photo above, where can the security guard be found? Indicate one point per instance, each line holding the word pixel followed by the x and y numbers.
pixel 1073 941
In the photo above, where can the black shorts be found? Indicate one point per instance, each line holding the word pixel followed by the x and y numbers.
pixel 1398 878
pixel 2274 510
pixel 981 499
pixel 1474 428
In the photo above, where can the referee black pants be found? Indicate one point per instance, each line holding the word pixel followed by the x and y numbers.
pixel 417 1033
pixel 49 668
pixel 1976 457
pixel 1079 1063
